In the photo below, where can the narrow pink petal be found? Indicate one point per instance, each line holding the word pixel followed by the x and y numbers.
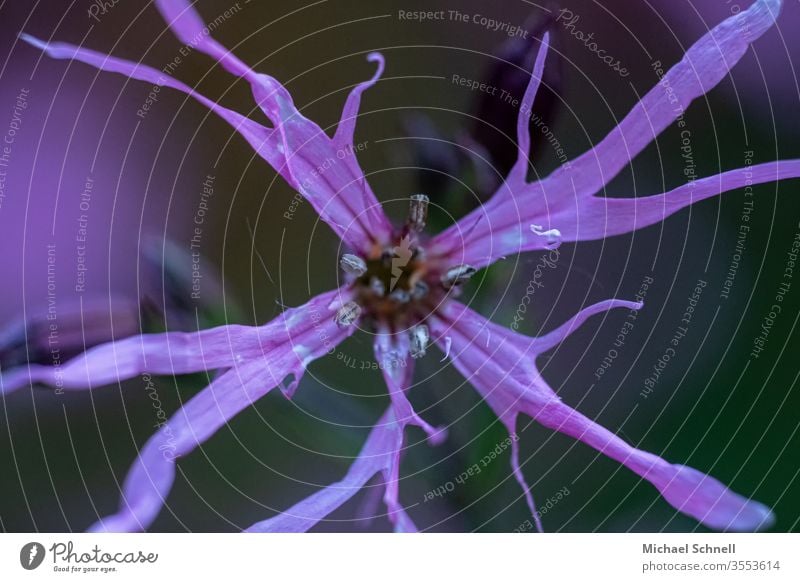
pixel 597 218
pixel 345 132
pixel 166 354
pixel 520 169
pixel 540 215
pixel 703 66
pixel 176 353
pixel 550 340
pixel 381 453
pixel 687 490
pixel 326 174
pixel 323 171
pixel 392 355
pixel 150 479
pixel 318 167
pixel 376 456
pixel 265 141
pixel 592 218
pixel 480 327
pixel 396 512
pixel 520 477
pixel 504 372
pixel 293 340
pixel 187 25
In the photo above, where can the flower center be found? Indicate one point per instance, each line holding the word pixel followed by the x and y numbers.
pixel 396 288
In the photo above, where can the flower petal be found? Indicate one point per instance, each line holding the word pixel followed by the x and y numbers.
pixel 381 453
pixel 520 170
pixel 703 66
pixel 320 168
pixel 176 353
pixel 392 352
pixel 167 353
pixel 151 477
pixel 597 218
pixel 187 25
pixel 505 374
pixel 525 216
pixel 296 338
pixel 325 172
pixel 265 141
pixel 345 132
pixel 376 456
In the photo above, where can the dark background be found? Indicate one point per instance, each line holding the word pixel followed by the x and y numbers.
pixel 62 457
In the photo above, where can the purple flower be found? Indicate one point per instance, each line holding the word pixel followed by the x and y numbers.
pixel 402 285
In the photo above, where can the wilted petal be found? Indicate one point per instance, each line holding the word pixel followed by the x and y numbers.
pixel 525 216
pixel 284 349
pixel 505 374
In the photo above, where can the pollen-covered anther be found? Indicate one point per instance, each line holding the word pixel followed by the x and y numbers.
pixel 420 338
pixel 420 290
pixel 457 275
pixel 400 296
pixel 348 314
pixel 418 212
pixel 352 264
pixel 377 287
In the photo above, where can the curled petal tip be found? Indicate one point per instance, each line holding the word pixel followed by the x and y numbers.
pixel 33 41
pixel 438 436
pixel 376 57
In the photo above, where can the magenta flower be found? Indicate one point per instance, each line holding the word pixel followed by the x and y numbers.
pixel 401 285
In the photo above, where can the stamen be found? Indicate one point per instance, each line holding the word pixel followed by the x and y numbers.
pixel 457 275
pixel 348 314
pixel 400 295
pixel 418 212
pixel 377 287
pixel 420 290
pixel 448 343
pixel 353 265
pixel 420 337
